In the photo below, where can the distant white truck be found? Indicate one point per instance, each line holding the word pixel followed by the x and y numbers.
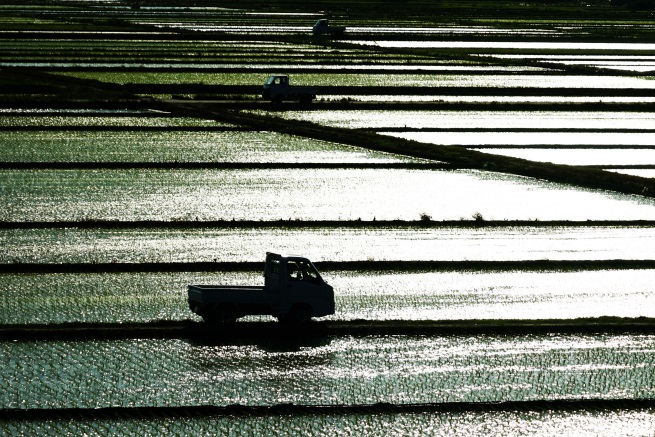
pixel 293 292
pixel 277 89
pixel 321 27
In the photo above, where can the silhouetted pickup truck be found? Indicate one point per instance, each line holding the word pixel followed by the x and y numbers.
pixel 322 27
pixel 277 88
pixel 293 292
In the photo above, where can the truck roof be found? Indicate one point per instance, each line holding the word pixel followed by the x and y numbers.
pixel 285 256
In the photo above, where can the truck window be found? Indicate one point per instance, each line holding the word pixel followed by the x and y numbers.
pixel 274 267
pixel 302 271
pixel 309 272
pixel 294 273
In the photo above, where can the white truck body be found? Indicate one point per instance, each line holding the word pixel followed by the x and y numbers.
pixel 293 291
pixel 321 27
pixel 277 88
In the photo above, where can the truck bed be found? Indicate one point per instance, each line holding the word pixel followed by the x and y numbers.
pixel 204 294
pixel 210 288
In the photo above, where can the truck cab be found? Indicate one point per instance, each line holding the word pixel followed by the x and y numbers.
pixel 277 88
pixel 296 279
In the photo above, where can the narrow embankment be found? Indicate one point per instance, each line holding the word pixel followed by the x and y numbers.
pixel 326 266
pixel 282 333
pixel 240 411
pixel 282 223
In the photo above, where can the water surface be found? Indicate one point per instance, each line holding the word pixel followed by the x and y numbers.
pixel 332 371
pixel 511 243
pixel 179 146
pixel 627 423
pixel 302 194
pixel 367 295
pixel 513 45
pixel 361 119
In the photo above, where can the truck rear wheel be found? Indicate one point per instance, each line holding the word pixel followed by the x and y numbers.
pixel 223 314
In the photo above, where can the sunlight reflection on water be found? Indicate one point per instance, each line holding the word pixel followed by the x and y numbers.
pixel 303 194
pixel 360 119
pixel 384 295
pixel 327 244
pixel 338 370
pixel 520 45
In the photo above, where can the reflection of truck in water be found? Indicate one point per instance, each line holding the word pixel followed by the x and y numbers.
pixel 277 88
pixel 293 292
pixel 321 27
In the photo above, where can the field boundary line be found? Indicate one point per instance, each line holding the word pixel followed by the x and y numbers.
pixel 203 334
pixel 238 410
pixel 325 266
pixel 283 223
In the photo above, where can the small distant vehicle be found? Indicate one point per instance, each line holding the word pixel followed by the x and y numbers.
pixel 293 292
pixel 277 89
pixel 321 27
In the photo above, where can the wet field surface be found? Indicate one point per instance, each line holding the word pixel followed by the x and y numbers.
pixel 329 371
pixel 544 91
pixel 372 295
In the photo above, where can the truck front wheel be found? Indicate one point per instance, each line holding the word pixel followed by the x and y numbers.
pixel 299 315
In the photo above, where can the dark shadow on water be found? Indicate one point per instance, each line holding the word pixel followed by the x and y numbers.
pixel 280 349
pixel 267 336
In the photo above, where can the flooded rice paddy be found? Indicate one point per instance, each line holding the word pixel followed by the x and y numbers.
pixel 150 145
pixel 301 194
pixel 408 295
pixel 80 162
pixel 562 120
pixel 625 422
pixel 331 371
pixel 384 243
pixel 510 79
